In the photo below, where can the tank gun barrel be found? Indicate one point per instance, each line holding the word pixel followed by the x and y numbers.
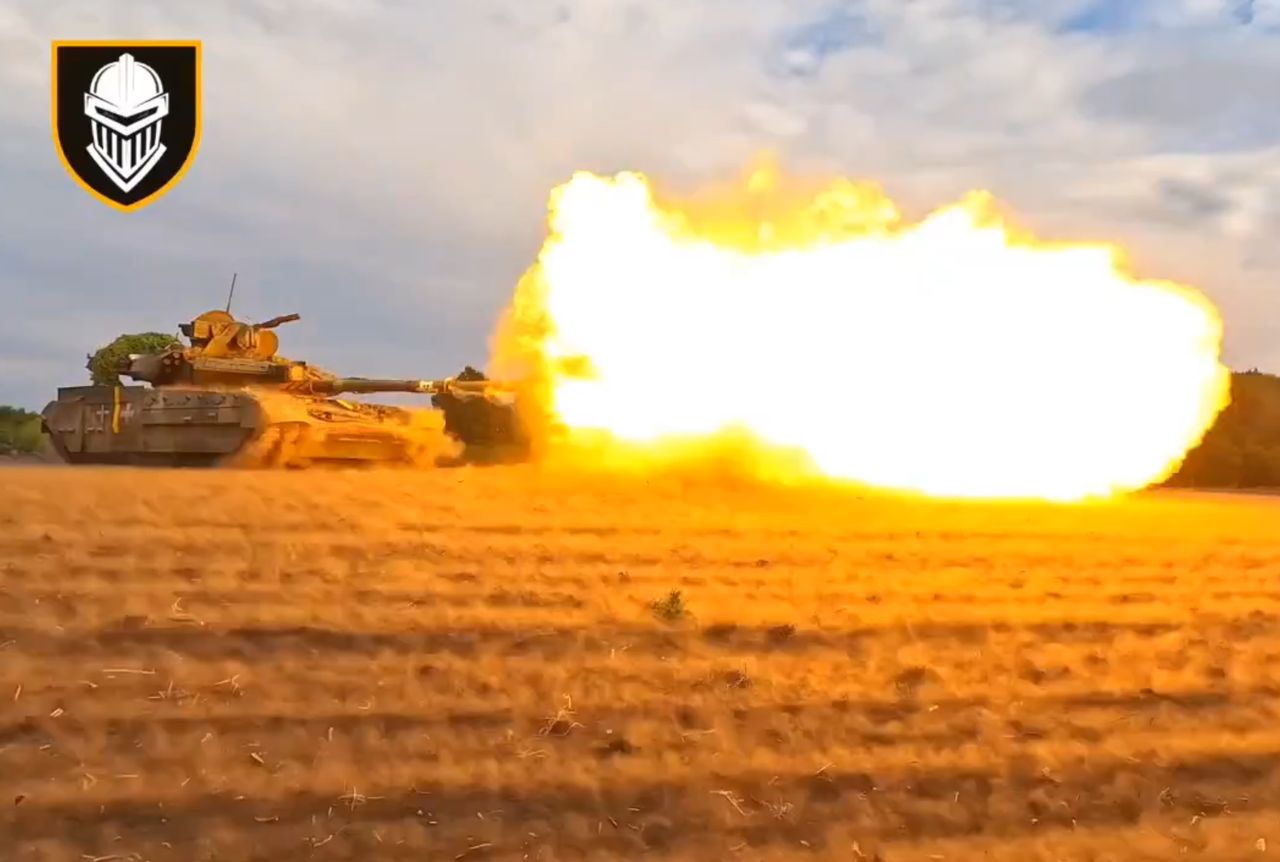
pixel 360 385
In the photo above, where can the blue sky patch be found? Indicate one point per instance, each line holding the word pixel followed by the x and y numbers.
pixel 1106 16
pixel 1118 16
pixel 840 28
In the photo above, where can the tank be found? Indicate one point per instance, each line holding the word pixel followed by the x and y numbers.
pixel 228 398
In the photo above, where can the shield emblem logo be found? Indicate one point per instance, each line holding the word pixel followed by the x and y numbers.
pixel 126 116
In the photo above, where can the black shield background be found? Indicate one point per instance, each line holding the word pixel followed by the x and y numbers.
pixel 177 66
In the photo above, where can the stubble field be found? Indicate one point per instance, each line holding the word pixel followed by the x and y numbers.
pixel 471 665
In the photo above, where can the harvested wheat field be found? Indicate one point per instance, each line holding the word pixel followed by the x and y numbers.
pixel 489 665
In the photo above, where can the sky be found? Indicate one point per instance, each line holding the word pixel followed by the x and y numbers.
pixel 382 166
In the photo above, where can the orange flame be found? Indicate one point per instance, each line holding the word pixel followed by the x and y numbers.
pixel 952 357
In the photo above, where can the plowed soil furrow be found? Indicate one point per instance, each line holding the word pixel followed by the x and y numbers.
pixel 553 633
pixel 756 809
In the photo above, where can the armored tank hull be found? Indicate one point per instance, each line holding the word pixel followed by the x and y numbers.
pixel 190 426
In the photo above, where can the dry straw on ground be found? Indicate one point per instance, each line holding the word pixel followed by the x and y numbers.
pixel 478 665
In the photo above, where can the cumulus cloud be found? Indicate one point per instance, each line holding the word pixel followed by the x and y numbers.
pixel 382 165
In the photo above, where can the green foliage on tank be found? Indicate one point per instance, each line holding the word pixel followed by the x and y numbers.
pixel 106 363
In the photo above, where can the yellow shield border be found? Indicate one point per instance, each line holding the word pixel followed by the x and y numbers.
pixel 124 43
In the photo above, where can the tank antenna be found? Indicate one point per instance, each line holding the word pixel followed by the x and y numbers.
pixel 232 292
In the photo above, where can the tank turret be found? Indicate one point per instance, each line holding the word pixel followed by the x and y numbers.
pixel 223 351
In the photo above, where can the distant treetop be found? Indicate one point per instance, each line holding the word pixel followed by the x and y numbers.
pixel 19 431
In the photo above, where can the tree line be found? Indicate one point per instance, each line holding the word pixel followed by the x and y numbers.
pixel 20 432
pixel 1242 449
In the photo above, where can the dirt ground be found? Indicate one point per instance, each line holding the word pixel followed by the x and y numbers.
pixel 489 665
